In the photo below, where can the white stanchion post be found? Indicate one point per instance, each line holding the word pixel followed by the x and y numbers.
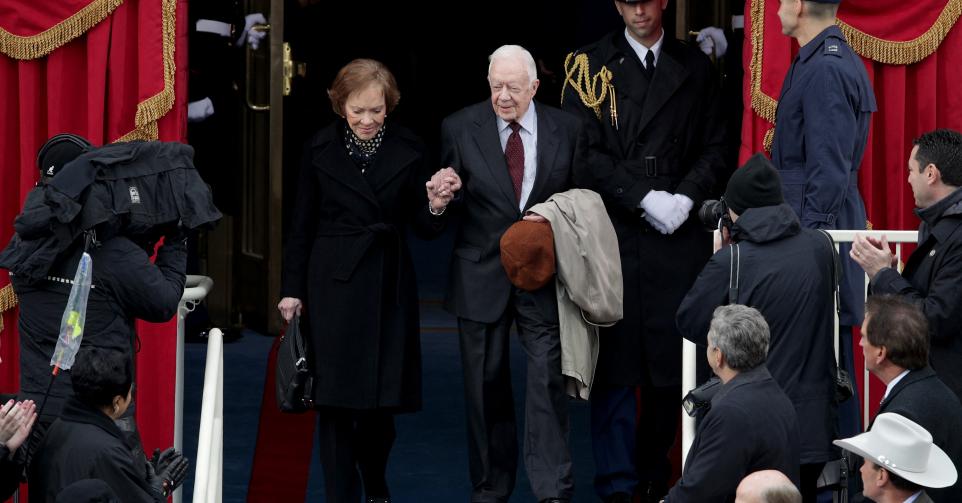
pixel 208 478
pixel 688 376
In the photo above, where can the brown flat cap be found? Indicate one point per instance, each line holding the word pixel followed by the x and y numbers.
pixel 527 254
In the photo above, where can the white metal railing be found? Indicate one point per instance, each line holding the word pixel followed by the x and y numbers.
pixel 195 290
pixel 208 476
pixel 689 350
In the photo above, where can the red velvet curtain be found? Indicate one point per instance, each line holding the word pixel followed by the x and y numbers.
pixel 916 83
pixel 109 70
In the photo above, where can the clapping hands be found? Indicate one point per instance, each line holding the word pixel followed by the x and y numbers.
pixel 665 211
pixel 441 189
pixel 16 420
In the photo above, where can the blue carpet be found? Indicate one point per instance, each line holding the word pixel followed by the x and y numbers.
pixel 429 460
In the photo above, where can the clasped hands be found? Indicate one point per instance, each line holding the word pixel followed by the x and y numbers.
pixel 16 420
pixel 441 189
pixel 666 211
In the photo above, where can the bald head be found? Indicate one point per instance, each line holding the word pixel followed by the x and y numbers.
pixel 767 486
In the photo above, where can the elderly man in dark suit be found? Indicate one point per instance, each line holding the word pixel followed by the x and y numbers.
pixel 751 425
pixel 896 348
pixel 510 153
pixel 655 152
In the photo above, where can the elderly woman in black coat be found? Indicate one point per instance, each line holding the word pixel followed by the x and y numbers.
pixel 347 268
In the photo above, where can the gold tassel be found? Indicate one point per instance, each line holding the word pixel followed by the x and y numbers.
pixel 768 139
pixel 45 42
pixel 8 301
pixel 591 90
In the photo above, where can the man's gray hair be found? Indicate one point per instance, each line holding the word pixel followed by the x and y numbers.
pixel 742 335
pixel 518 53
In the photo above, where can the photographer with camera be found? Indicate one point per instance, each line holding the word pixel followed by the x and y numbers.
pixel 751 425
pixel 86 443
pixel 771 263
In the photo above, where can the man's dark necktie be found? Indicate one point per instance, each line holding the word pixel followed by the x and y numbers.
pixel 514 154
pixel 650 65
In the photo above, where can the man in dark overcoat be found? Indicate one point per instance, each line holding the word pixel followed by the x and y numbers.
pixel 655 151
pixel 896 348
pixel 751 425
pixel 932 277
pixel 510 153
pixel 787 273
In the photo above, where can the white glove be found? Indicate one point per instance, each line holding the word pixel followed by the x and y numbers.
pixel 199 110
pixel 682 209
pixel 252 37
pixel 663 207
pixel 660 227
pixel 712 40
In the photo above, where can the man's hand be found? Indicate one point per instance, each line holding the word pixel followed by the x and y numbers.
pixel 534 217
pixel 170 467
pixel 664 211
pixel 252 37
pixel 720 239
pixel 290 306
pixel 441 188
pixel 16 420
pixel 872 255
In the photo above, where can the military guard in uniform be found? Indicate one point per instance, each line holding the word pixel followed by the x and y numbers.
pixel 656 144
pixel 821 128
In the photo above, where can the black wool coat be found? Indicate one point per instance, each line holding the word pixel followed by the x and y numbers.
pixel 670 137
pixel 86 444
pixel 347 259
pixel 751 426
pixel 786 273
pixel 922 397
pixel 932 280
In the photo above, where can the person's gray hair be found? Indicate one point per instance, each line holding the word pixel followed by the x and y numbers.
pixel 741 334
pixel 518 53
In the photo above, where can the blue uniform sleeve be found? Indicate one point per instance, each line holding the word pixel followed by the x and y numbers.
pixel 830 132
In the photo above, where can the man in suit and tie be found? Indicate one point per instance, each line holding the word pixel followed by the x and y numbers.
pixel 510 153
pixel 896 348
pixel 649 104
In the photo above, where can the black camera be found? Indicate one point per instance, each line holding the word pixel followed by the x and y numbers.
pixel 714 214
pixel 697 402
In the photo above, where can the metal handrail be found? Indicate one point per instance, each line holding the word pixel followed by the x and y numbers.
pixel 689 350
pixel 195 290
pixel 208 476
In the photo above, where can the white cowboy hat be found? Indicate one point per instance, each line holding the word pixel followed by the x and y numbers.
pixel 904 448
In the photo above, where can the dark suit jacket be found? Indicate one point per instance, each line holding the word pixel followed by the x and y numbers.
pixel 669 137
pixel 478 287
pixel 922 397
pixel 751 426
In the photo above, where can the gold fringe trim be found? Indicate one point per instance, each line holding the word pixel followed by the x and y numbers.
pixel 768 140
pixel 908 51
pixel 153 108
pixel 45 42
pixel 8 300
pixel 587 86
pixel 763 104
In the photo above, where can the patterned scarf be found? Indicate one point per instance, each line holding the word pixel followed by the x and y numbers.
pixel 360 151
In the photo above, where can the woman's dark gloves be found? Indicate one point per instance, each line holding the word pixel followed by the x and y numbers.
pixel 167 470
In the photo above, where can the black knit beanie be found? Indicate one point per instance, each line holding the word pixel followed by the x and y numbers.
pixel 754 185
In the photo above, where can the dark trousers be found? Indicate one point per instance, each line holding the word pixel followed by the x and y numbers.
pixel 354 449
pixel 632 455
pixel 492 436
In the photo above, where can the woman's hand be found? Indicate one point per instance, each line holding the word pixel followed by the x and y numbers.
pixel 289 306
pixel 442 187
pixel 16 420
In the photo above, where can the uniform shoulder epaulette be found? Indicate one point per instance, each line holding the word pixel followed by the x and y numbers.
pixel 592 89
pixel 832 46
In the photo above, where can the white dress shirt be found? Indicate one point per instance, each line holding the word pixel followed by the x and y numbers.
pixel 642 51
pixel 893 382
pixel 529 138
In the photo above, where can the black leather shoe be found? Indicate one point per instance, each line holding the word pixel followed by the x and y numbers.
pixel 618 498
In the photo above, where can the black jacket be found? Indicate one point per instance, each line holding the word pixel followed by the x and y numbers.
pixel 86 444
pixel 347 259
pixel 922 397
pixel 126 285
pixel 786 273
pixel 669 137
pixel 932 280
pixel 478 288
pixel 751 426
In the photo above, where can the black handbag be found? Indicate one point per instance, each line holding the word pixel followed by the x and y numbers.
pixel 293 379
